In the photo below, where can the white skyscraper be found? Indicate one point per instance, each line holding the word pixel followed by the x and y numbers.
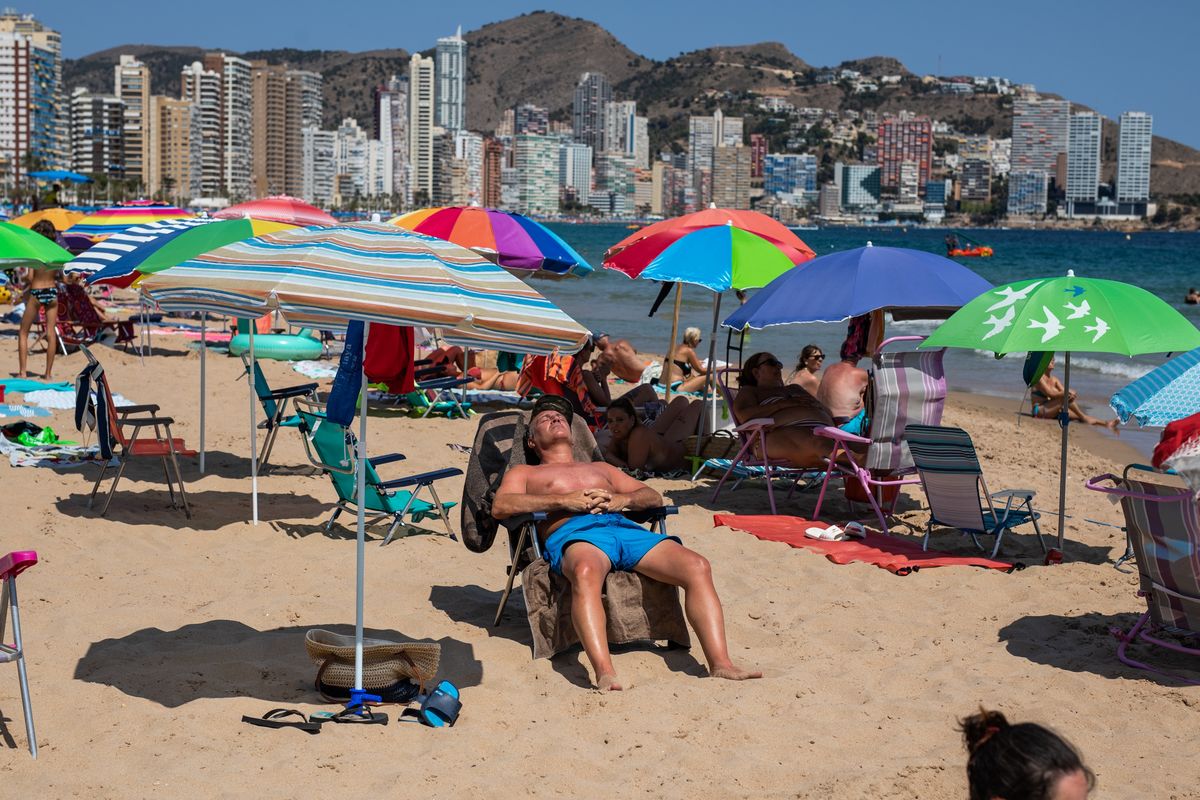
pixel 319 165
pixel 237 123
pixel 420 127
pixel 575 170
pixel 1039 133
pixel 351 157
pixel 131 84
pixel 618 125
pixel 1083 159
pixel 392 124
pixel 592 95
pixel 452 82
pixel 468 151
pixel 33 104
pixel 1133 157
pixel 203 88
pixel 536 161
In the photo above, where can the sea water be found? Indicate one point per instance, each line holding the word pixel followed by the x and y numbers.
pixel 1163 263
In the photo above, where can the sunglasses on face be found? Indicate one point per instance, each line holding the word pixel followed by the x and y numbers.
pixel 770 362
pixel 818 356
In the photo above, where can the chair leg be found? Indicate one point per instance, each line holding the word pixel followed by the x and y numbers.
pixel 999 536
pixel 22 676
pixel 99 478
pixel 336 511
pixel 512 571
pixel 732 465
pixel 269 442
pixel 437 503
pixel 400 516
pixel 187 511
pixel 113 489
pixel 832 467
pixel 167 478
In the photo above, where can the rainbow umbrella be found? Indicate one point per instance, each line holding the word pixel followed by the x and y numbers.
pixel 21 247
pixel 511 240
pixel 278 208
pixel 60 218
pixel 112 220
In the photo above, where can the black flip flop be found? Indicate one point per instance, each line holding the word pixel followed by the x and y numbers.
pixel 277 718
pixel 354 715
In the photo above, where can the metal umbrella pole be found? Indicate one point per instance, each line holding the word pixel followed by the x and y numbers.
pixel 358 694
pixel 253 432
pixel 1064 419
pixel 203 350
pixel 674 333
pixel 710 382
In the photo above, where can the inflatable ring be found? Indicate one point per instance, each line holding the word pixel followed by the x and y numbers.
pixel 279 346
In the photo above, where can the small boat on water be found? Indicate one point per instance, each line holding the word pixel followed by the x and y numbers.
pixel 982 251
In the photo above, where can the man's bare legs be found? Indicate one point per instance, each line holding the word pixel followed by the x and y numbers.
pixel 1051 408
pixel 586 567
pixel 671 562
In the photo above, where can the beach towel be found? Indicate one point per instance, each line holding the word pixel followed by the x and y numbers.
pixel 21 385
pixel 314 369
pixel 343 397
pixel 50 455
pixel 390 358
pixel 898 556
pixel 14 410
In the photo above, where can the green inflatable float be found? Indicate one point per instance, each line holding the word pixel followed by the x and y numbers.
pixel 302 346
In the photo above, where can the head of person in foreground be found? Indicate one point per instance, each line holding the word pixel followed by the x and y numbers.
pixel 1022 761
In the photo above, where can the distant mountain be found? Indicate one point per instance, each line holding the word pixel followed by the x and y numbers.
pixel 538 58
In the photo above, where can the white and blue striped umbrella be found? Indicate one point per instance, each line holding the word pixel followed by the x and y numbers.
pixel 108 250
pixel 1163 395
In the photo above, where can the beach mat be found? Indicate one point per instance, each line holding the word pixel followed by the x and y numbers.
pixel 896 555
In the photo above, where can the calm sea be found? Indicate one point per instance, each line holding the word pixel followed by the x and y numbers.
pixel 1164 263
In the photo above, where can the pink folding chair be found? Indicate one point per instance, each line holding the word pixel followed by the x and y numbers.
pixel 11 566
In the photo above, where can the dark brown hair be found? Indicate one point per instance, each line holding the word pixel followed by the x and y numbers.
pixel 809 350
pixel 746 376
pixel 46 228
pixel 1016 761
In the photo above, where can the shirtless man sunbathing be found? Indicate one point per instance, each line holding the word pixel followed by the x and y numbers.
pixel 628 366
pixel 843 390
pixel 585 536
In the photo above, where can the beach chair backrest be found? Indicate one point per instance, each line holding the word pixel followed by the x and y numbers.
pixel 907 388
pixel 261 387
pixel 335 448
pixel 950 473
pixel 1165 534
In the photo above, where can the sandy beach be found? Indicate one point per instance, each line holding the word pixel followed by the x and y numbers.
pixel 149 635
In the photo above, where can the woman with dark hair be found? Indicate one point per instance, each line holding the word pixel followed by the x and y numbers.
pixel 794 410
pixel 40 294
pixel 807 374
pixel 657 448
pixel 1021 762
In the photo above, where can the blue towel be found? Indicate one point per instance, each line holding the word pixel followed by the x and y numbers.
pixel 22 385
pixel 343 397
pixel 14 410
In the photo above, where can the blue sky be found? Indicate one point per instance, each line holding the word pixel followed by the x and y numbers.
pixel 1112 56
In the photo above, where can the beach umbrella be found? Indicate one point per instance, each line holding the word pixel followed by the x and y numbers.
pixel 60 175
pixel 278 208
pixel 1071 314
pixel 509 239
pixel 367 273
pixel 60 218
pixel 1167 393
pixel 115 219
pixel 117 246
pixel 849 283
pixel 21 247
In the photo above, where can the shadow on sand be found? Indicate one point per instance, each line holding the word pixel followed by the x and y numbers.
pixel 210 509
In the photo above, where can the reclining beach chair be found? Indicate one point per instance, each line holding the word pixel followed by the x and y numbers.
pixel 275 406
pixel 637 608
pixel 79 324
pixel 11 566
pixel 434 391
pixel 957 492
pixel 332 448
pixel 94 406
pixel 1164 529
pixel 906 388
pixel 752 435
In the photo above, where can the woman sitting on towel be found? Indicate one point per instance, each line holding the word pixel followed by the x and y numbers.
pixel 794 412
pixel 683 367
pixel 655 448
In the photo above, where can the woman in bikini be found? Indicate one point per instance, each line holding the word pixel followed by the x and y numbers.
pixel 794 411
pixel 42 293
pixel 656 448
pixel 1047 401
pixel 807 374
pixel 683 365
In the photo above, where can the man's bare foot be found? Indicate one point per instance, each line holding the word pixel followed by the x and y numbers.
pixel 608 682
pixel 733 673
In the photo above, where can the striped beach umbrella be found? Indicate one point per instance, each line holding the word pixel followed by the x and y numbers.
pixel 509 239
pixel 117 246
pixel 1165 394
pixel 108 221
pixel 278 208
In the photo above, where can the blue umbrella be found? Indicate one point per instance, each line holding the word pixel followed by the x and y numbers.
pixel 1163 395
pixel 849 283
pixel 60 175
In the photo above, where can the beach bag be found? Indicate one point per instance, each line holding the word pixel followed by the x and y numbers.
pixel 720 444
pixel 390 669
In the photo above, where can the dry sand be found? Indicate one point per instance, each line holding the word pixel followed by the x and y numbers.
pixel 149 635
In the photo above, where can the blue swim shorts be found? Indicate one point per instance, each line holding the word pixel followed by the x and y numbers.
pixel 618 537
pixel 856 424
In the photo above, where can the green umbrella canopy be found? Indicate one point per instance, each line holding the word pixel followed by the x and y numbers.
pixel 21 247
pixel 1082 315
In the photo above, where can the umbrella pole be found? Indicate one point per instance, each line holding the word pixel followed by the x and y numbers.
pixel 253 384
pixel 710 384
pixel 360 549
pixel 674 332
pixel 1064 419
pixel 203 349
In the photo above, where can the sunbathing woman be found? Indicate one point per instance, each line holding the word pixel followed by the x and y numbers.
pixel 808 369
pixel 40 294
pixel 1047 398
pixel 683 365
pixel 795 412
pixel 655 448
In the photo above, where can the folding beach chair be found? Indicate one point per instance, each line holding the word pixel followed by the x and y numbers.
pixel 434 391
pixel 957 492
pixel 333 448
pixel 637 608
pixel 275 406
pixel 79 324
pixel 752 436
pixel 1164 529
pixel 116 426
pixel 11 566
pixel 906 388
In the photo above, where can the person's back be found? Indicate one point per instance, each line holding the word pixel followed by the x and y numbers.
pixel 842 389
pixel 626 364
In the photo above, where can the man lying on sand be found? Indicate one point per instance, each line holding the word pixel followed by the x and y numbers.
pixel 628 366
pixel 586 536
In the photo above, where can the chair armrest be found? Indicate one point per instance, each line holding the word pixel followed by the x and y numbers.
pixel 388 459
pixel 444 383
pixel 517 520
pixel 830 432
pixel 294 391
pixel 137 409
pixel 1027 494
pixel 142 421
pixel 645 515
pixel 422 478
pixel 755 424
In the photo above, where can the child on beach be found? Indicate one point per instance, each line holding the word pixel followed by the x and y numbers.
pixel 1024 761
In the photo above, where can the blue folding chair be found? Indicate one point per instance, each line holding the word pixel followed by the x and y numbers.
pixel 275 406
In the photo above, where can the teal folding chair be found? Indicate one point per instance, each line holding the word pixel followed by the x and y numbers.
pixel 332 448
pixel 275 406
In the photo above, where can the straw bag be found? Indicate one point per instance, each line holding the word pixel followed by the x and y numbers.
pixel 721 444
pixel 385 663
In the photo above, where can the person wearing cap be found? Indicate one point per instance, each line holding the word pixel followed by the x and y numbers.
pixel 600 341
pixel 585 536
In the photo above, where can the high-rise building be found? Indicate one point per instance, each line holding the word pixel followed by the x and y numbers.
pixel 237 121
pixel 173 168
pixel 588 110
pixel 451 68
pixel 787 173
pixel 420 127
pixel 131 81
pixel 1133 157
pixel 1083 160
pixel 351 158
pixel 284 103
pixel 493 157
pixel 34 124
pixel 705 134
pixel 1027 191
pixel 97 127
pixel 458 167
pixel 975 180
pixel 391 128
pixel 528 118
pixel 900 141
pixel 536 162
pixel 320 165
pixel 860 184
pixel 731 176
pixel 575 171
pixel 618 125
pixel 758 153
pixel 1039 133
pixel 910 187
pixel 615 177
pixel 204 88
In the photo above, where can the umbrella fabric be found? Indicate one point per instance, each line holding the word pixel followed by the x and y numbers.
pixel 60 175
pixel 278 208
pixel 21 247
pixel 174 246
pixel 117 246
pixel 721 257
pixel 638 249
pixel 1088 315
pixel 1168 393
pixel 117 218
pixel 60 218
pixel 373 273
pixel 509 239
pixel 850 283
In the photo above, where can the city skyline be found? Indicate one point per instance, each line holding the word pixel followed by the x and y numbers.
pixel 932 42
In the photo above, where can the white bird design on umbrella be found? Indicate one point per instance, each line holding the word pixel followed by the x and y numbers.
pixel 1078 311
pixel 1000 323
pixel 1012 296
pixel 1051 327
pixel 1100 328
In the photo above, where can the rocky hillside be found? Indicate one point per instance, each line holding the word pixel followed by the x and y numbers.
pixel 538 58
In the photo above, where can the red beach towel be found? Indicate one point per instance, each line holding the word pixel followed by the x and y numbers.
pixel 897 556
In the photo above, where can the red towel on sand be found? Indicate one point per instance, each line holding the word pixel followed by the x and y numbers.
pixel 894 554
pixel 390 357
